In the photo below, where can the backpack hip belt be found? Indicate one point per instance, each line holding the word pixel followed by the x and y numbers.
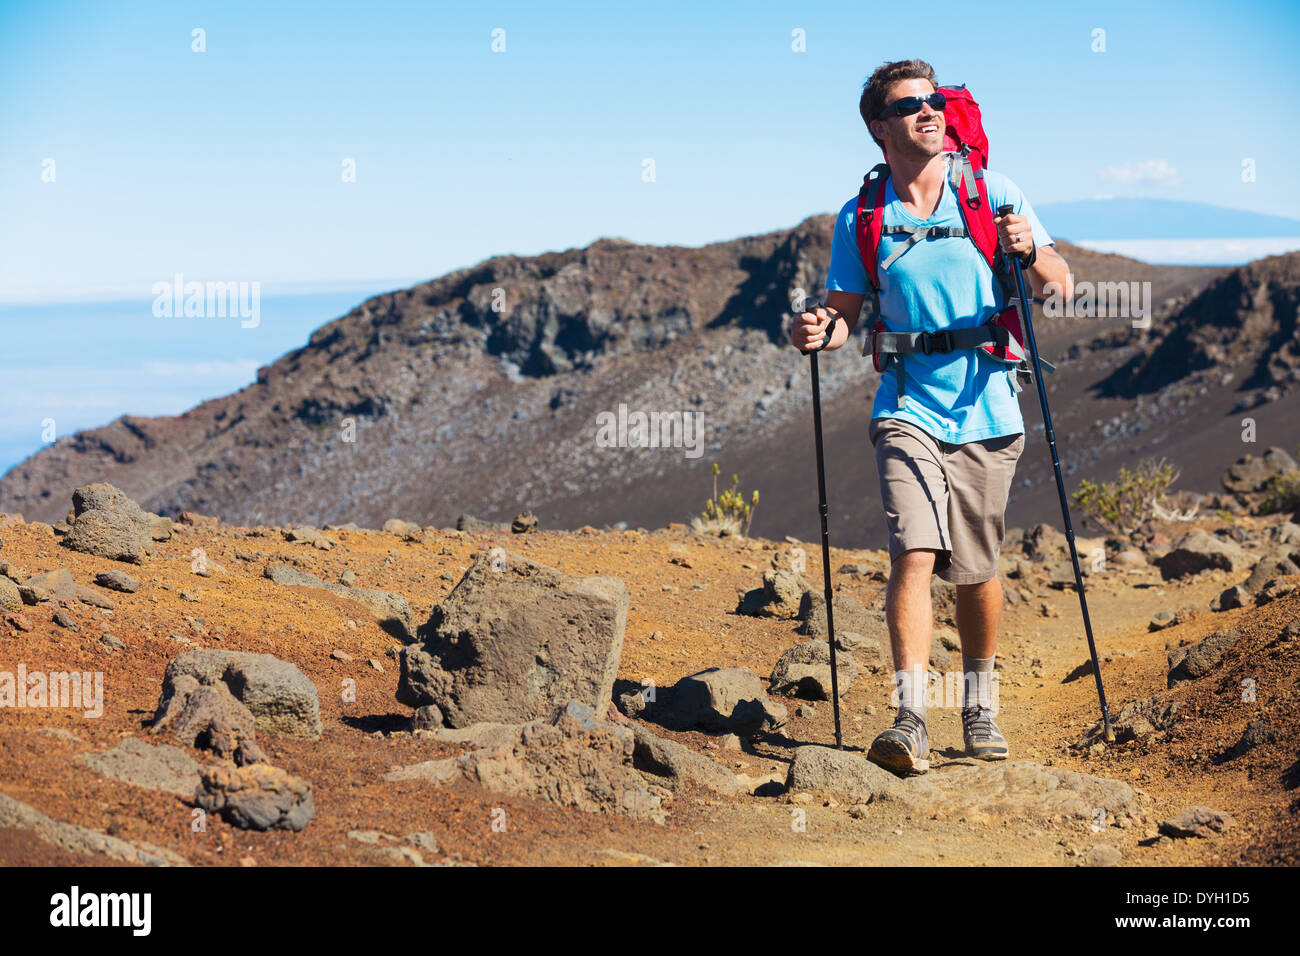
pixel 998 338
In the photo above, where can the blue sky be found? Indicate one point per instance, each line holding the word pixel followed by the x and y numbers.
pixel 226 165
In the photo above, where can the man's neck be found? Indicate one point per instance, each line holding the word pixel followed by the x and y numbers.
pixel 918 181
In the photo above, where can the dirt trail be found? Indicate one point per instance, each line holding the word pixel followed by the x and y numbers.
pixel 684 588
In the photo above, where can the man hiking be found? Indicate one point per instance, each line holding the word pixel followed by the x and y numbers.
pixel 946 424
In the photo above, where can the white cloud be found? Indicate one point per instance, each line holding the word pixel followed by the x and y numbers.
pixel 1159 171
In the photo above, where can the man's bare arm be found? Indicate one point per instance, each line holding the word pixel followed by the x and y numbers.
pixel 1049 266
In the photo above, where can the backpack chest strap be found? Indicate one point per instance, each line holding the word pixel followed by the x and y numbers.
pixel 915 234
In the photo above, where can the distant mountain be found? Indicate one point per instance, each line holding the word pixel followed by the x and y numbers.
pixel 1159 219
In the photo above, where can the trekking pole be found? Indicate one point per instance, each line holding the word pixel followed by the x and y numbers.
pixel 810 305
pixel 1025 308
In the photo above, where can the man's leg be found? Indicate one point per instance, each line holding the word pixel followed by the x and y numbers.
pixel 981 474
pixel 908 610
pixel 915 498
pixel 904 747
pixel 979 612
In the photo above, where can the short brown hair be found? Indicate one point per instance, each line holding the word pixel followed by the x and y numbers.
pixel 874 91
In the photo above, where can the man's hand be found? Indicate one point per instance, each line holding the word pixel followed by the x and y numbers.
pixel 808 330
pixel 1015 234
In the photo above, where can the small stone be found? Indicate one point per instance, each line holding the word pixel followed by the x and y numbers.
pixel 339 655
pixel 62 619
pixel 1198 821
pixel 117 581
pixel 108 640
pixel 1103 854
pixel 1162 619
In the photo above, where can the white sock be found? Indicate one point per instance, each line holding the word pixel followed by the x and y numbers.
pixel 977 681
pixel 911 689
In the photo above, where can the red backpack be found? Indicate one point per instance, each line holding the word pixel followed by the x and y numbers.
pixel 965 139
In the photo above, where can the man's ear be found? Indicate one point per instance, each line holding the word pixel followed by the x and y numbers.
pixel 878 129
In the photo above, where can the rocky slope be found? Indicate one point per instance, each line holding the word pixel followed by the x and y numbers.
pixel 480 391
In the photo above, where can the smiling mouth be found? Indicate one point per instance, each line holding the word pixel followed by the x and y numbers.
pixel 928 128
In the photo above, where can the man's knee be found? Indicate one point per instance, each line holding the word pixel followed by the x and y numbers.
pixel 919 561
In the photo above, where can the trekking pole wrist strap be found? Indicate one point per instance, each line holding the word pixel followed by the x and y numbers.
pixel 830 329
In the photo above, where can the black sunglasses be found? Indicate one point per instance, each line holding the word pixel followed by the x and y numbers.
pixel 912 104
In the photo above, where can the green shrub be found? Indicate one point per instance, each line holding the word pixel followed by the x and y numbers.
pixel 1123 505
pixel 1282 493
pixel 726 513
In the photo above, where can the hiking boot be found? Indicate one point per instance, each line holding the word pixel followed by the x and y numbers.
pixel 984 740
pixel 903 748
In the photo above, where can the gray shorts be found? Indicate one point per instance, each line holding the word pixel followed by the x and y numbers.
pixel 944 497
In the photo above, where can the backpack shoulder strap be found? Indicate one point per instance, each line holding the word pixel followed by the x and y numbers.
pixel 871 212
pixel 967 179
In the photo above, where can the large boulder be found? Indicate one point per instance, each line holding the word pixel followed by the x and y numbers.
pixel 805 671
pixel 1203 822
pixel 258 797
pixel 1198 551
pixel 1197 660
pixel 10 597
pixel 101 496
pixel 1250 474
pixel 571 758
pixel 280 697
pixel 208 717
pixel 849 616
pixel 1043 543
pixel 1276 564
pixel 514 640
pixel 679 764
pixel 780 596
pixel 842 774
pixel 720 700
pixel 107 534
pixel 1136 720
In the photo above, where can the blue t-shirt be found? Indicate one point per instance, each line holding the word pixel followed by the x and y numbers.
pixel 961 396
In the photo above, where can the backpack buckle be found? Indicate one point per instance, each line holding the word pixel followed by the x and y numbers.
pixel 931 342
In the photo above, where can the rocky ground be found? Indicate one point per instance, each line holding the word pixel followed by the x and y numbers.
pixel 418 695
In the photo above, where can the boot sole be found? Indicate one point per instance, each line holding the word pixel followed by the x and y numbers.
pixel 987 755
pixel 895 758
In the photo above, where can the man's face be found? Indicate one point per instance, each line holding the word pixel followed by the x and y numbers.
pixel 919 135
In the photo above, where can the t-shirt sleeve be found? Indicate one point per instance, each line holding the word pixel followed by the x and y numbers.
pixel 1002 191
pixel 846 272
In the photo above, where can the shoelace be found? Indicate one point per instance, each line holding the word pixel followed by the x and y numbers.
pixel 910 723
pixel 980 721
